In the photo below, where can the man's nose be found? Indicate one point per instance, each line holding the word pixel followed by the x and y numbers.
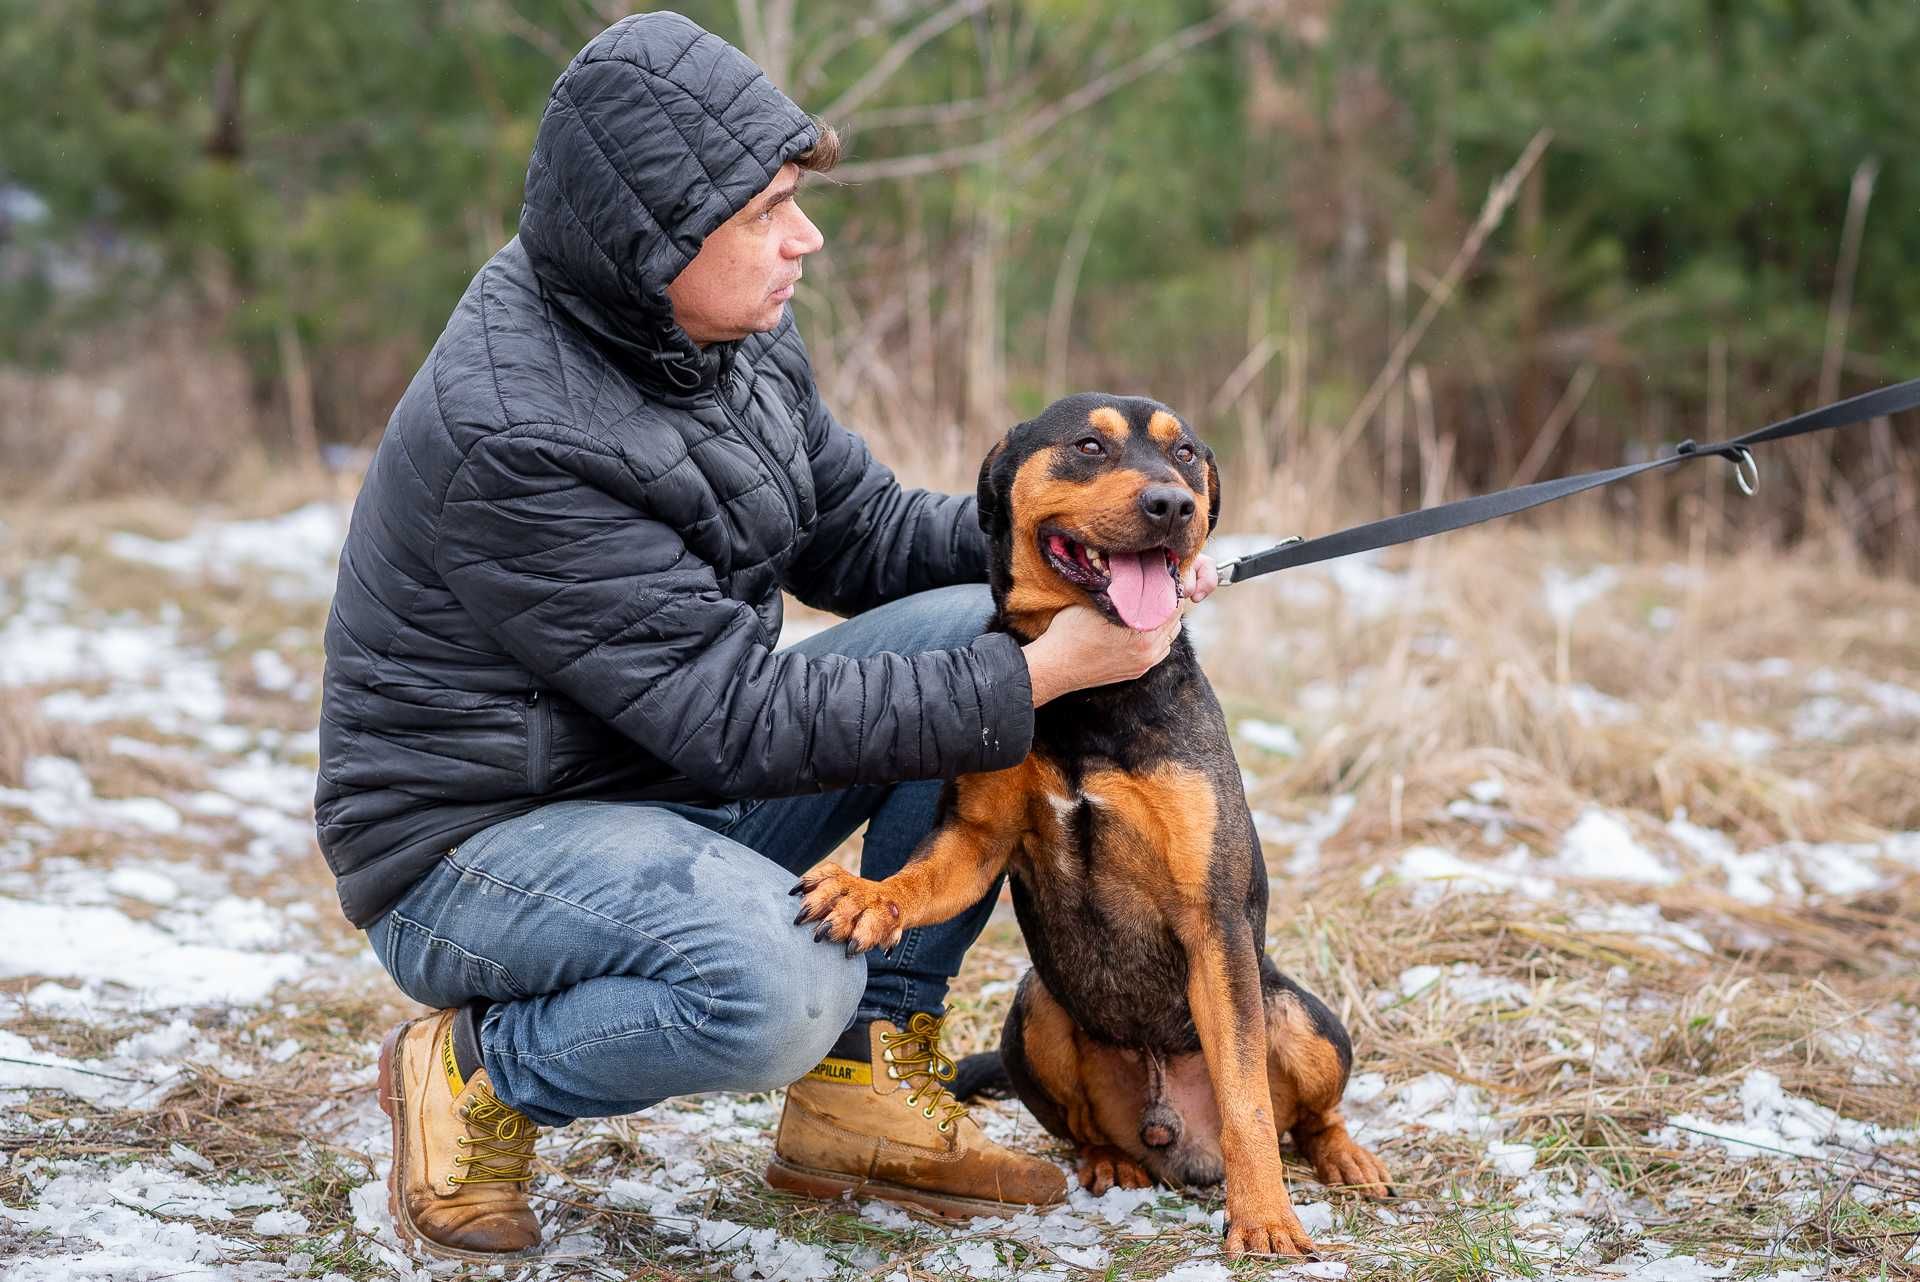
pixel 806 238
pixel 1167 507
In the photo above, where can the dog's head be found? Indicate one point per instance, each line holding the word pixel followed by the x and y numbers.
pixel 1101 500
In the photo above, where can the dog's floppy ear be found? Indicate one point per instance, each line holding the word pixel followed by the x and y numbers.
pixel 1213 495
pixel 989 500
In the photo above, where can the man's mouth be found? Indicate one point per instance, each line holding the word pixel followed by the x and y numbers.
pixel 1139 586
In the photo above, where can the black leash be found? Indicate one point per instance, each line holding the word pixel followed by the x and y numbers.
pixel 1409 526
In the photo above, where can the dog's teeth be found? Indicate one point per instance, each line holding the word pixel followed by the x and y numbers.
pixel 1096 558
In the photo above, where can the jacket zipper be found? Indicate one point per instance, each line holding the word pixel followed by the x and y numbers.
pixel 538 715
pixel 780 477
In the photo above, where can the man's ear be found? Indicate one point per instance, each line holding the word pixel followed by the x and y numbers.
pixel 989 501
pixel 1213 495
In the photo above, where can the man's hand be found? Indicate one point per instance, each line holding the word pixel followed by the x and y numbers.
pixel 1080 649
pixel 1201 578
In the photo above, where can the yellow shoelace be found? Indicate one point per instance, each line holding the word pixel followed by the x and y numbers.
pixel 502 1152
pixel 915 1054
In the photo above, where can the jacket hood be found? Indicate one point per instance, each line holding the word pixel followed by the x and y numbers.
pixel 655 134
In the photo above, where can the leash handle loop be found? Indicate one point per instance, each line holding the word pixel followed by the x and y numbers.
pixel 1425 522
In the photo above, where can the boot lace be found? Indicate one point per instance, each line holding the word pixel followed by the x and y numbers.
pixel 914 1056
pixel 502 1145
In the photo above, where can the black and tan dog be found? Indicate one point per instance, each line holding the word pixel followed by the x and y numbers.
pixel 1153 1032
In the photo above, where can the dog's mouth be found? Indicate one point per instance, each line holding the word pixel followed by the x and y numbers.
pixel 1140 587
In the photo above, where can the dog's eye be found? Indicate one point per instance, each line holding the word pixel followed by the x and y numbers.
pixel 1090 445
pixel 1184 454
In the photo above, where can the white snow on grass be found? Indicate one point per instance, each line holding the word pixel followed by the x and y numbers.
pixel 59 795
pixel 1798 871
pixel 1434 870
pixel 1599 846
pixel 133 939
pixel 223 953
pixel 1302 841
pixel 1462 982
pixel 131 1222
pixel 298 551
pixel 1269 736
pixel 1565 593
pixel 1511 1159
pixel 1840 704
pixel 136 1073
pixel 1749 743
pixel 149 673
pixel 1774 1123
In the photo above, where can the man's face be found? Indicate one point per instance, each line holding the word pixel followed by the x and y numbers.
pixel 740 281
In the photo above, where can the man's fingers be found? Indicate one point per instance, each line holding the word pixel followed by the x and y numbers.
pixel 1203 576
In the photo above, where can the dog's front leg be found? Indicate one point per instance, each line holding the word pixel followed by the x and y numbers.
pixel 949 872
pixel 1223 990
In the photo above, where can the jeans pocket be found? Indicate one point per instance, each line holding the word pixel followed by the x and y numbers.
pixel 435 971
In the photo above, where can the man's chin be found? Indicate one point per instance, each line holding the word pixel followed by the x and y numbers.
pixel 762 324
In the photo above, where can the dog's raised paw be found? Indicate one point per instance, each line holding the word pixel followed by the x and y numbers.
pixel 851 910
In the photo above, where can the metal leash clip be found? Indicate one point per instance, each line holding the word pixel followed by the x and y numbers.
pixel 1746 468
pixel 1226 570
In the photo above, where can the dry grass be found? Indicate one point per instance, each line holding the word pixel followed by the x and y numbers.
pixel 1614 1028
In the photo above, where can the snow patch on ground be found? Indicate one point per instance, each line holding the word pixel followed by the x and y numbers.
pixel 1774 1123
pixel 299 551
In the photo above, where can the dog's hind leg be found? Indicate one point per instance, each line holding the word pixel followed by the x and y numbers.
pixel 1308 1058
pixel 1080 1092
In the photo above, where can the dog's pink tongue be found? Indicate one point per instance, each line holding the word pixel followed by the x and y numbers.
pixel 1142 590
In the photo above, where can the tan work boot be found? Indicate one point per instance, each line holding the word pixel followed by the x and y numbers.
pixel 884 1126
pixel 461 1158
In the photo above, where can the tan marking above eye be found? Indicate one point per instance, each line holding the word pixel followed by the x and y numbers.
pixel 1164 427
pixel 1111 421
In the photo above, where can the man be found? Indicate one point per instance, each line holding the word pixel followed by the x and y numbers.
pixel 565 780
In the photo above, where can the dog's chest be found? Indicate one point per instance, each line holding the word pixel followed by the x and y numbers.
pixel 1086 850
pixel 1093 895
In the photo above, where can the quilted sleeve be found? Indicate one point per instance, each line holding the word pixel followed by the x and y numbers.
pixel 545 539
pixel 874 540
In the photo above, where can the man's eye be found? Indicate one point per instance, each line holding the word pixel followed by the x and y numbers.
pixel 1091 445
pixel 1184 454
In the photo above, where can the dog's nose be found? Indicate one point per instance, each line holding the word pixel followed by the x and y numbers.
pixel 1167 506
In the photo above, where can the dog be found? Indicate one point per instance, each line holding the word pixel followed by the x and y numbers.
pixel 1153 1032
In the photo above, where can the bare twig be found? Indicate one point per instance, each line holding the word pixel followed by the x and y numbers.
pixel 884 67
pixel 1550 432
pixel 1499 199
pixel 1039 122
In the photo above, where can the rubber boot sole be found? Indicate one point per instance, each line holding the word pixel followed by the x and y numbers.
pixel 393 1104
pixel 811 1181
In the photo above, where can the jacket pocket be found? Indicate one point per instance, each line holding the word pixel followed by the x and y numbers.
pixel 539 739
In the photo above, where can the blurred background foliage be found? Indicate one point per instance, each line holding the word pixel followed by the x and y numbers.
pixel 231 228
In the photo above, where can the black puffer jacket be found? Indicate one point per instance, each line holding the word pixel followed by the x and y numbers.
pixel 562 575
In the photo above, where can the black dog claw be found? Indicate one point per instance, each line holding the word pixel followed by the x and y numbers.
pixel 801 920
pixel 799 888
pixel 853 947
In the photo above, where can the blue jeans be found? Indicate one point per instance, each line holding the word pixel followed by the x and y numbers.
pixel 635 951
